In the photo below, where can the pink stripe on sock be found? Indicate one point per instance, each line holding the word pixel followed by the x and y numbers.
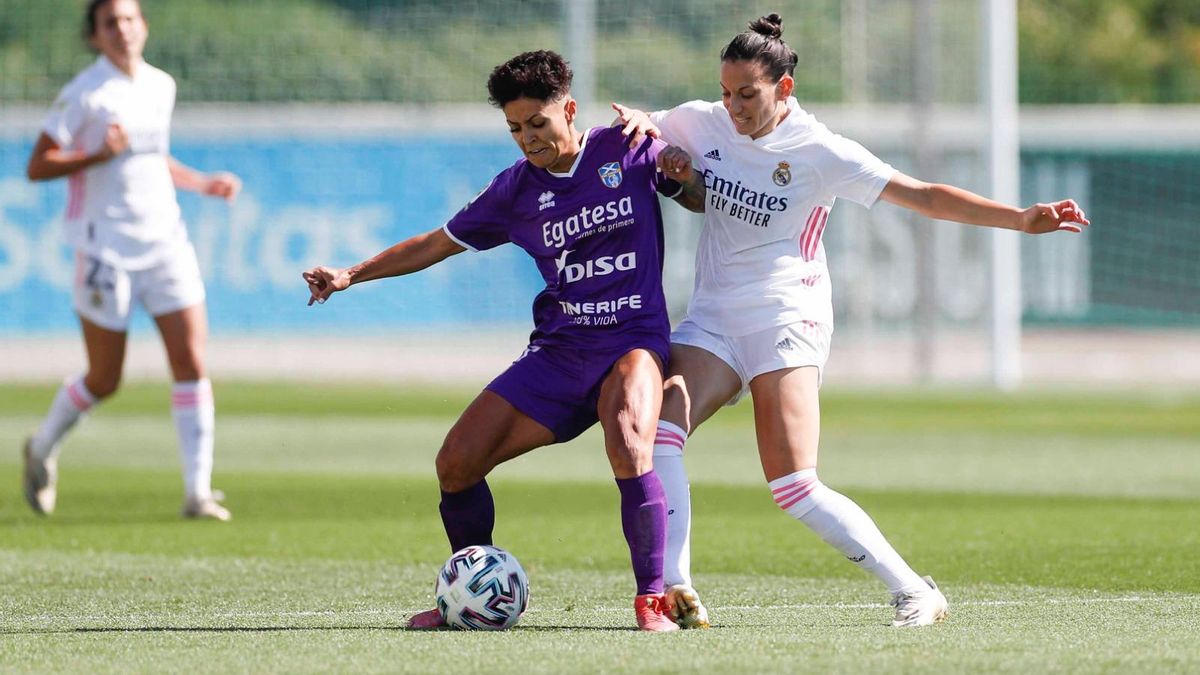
pixel 787 505
pixel 666 433
pixel 668 441
pixel 798 484
pixel 785 496
pixel 77 397
pixel 200 394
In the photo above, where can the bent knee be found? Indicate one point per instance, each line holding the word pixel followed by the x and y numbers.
pixel 459 465
pixel 101 387
pixel 631 459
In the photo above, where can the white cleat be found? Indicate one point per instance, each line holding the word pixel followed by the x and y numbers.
pixel 207 509
pixel 40 480
pixel 686 610
pixel 923 608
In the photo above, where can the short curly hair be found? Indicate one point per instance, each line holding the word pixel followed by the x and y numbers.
pixel 543 75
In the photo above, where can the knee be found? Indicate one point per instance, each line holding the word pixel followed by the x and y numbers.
pixel 187 367
pixel 102 385
pixel 631 459
pixel 677 403
pixel 674 389
pixel 458 465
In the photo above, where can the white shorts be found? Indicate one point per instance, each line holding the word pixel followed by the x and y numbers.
pixel 105 294
pixel 795 345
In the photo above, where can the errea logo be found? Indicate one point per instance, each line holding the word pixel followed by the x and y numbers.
pixel 545 200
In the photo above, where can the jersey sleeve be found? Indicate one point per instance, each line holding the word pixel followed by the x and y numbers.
pixel 850 171
pixel 484 222
pixel 681 125
pixel 66 117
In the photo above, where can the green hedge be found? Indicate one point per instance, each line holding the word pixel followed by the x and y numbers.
pixel 656 51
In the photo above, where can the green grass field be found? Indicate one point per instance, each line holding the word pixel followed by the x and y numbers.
pixel 1064 528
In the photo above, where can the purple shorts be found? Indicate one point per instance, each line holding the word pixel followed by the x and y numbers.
pixel 559 387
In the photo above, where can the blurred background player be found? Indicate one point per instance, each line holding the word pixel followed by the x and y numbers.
pixel 109 132
pixel 760 318
pixel 583 205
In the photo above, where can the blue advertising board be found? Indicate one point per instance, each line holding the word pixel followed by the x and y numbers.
pixel 305 202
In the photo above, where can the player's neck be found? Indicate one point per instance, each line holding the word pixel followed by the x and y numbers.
pixel 126 64
pixel 780 115
pixel 567 159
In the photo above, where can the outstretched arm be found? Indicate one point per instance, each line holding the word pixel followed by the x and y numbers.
pixel 946 202
pixel 411 255
pixel 221 184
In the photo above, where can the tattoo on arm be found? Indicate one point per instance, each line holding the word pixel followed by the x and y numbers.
pixel 692 195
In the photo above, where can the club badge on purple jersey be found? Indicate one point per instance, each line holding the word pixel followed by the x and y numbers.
pixel 611 174
pixel 596 237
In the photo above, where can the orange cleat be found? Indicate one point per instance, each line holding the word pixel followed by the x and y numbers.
pixel 427 620
pixel 651 611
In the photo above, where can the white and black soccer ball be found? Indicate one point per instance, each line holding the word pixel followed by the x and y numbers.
pixel 482 588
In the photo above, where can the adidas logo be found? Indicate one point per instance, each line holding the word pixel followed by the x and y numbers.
pixel 713 154
pixel 785 345
pixel 546 200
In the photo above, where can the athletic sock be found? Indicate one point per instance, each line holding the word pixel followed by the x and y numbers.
pixel 468 516
pixel 644 521
pixel 844 525
pixel 195 416
pixel 668 464
pixel 71 402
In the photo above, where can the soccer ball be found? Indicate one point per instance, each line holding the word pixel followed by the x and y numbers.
pixel 482 588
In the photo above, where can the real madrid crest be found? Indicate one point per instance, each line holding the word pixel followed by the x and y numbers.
pixel 782 174
pixel 97 299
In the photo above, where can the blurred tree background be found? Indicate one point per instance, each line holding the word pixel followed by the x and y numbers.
pixel 432 51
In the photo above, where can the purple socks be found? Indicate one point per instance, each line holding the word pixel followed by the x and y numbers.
pixel 644 520
pixel 469 516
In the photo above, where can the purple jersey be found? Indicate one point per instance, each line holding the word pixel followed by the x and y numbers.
pixel 595 233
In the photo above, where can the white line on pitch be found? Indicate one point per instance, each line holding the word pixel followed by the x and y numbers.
pixel 405 611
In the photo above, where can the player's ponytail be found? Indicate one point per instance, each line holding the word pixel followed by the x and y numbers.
pixel 770 26
pixel 763 43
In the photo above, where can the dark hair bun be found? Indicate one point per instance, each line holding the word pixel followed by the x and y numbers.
pixel 770 26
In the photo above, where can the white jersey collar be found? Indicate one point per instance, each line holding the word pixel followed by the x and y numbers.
pixel 111 69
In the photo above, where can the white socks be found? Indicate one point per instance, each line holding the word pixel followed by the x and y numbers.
pixel 70 403
pixel 844 525
pixel 668 464
pixel 194 414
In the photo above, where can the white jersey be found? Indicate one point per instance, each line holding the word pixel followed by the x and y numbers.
pixel 760 262
pixel 122 211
